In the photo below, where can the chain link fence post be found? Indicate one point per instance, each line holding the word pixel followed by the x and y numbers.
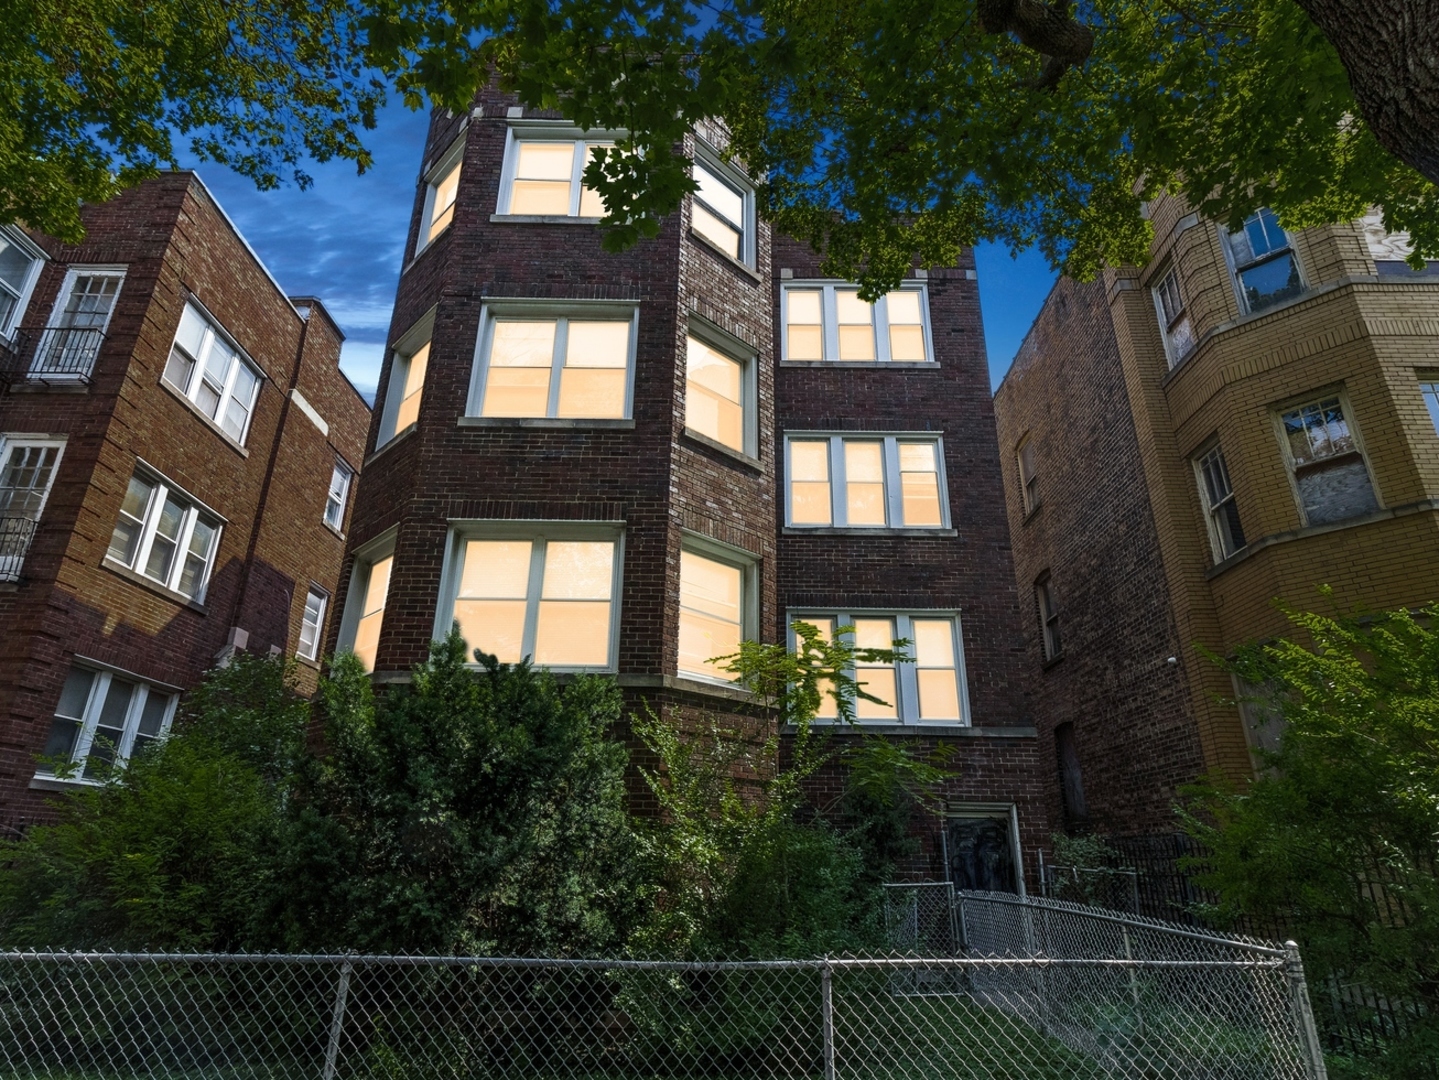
pixel 337 1020
pixel 1303 1014
pixel 826 1016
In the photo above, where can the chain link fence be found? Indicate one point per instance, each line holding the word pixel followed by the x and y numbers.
pixel 979 986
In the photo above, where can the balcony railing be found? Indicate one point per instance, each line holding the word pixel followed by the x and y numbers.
pixel 10 349
pixel 57 354
pixel 16 533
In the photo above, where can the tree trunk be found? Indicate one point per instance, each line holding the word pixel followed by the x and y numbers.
pixel 1390 49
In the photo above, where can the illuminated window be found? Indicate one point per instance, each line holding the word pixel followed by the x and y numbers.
pixel 928 688
pixel 365 608
pixel 552 596
pixel 723 210
pixel 543 175
pixel 443 185
pixel 405 386
pixel 714 615
pixel 718 391
pixel 866 481
pixel 830 322
pixel 563 366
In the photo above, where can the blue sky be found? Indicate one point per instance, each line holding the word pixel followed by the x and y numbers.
pixel 342 240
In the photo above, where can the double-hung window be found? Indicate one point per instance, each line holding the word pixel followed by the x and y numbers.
pixel 544 173
pixel 364 613
pixel 1262 257
pixel 1174 321
pixel 538 361
pixel 547 591
pixel 312 623
pixel 717 607
pixel 207 368
pixel 719 392
pixel 103 719
pixel 404 389
pixel 338 495
pixel 1326 461
pixel 20 262
pixel 70 344
pixel 866 481
pixel 1226 534
pixel 722 210
pixel 166 535
pixel 928 687
pixel 1028 474
pixel 442 185
pixel 825 321
pixel 1047 611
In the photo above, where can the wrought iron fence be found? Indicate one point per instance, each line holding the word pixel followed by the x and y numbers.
pixel 16 534
pixel 59 353
pixel 1016 995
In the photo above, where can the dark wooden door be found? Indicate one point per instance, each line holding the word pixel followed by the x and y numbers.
pixel 981 855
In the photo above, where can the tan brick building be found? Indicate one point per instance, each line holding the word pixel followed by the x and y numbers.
pixel 1249 417
pixel 176 449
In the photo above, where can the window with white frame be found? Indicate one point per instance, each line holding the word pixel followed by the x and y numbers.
pixel 1047 611
pixel 165 535
pixel 866 481
pixel 718 394
pixel 404 389
pixel 722 210
pixel 1028 474
pixel 442 186
pixel 1174 321
pixel 208 369
pixel 716 608
pixel 537 361
pixel 103 720
pixel 544 174
pixel 1261 254
pixel 338 495
pixel 1326 461
pixel 20 263
pixel 1429 388
pixel 1226 534
pixel 69 345
pixel 365 607
pixel 312 624
pixel 28 465
pixel 825 321
pixel 929 687
pixel 550 592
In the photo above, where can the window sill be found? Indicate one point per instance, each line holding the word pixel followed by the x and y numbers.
pixel 399 436
pixel 422 249
pixel 121 570
pixel 941 728
pixel 1256 546
pixel 542 219
pixel 902 365
pixel 334 530
pixel 40 782
pixel 307 662
pixel 687 684
pixel 860 530
pixel 194 409
pixel 546 423
pixel 30 385
pixel 1029 514
pixel 1045 665
pixel 736 456
pixel 729 260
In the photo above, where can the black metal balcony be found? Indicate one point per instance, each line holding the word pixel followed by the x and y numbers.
pixel 16 533
pixel 55 354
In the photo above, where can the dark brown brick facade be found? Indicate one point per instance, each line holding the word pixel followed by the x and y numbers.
pixel 663 484
pixel 173 243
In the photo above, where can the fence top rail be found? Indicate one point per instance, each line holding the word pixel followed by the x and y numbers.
pixel 1120 918
pixel 872 963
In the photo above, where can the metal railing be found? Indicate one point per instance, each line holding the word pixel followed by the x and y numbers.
pixel 1100 886
pixel 16 535
pixel 58 353
pixel 1025 990
pixel 1135 996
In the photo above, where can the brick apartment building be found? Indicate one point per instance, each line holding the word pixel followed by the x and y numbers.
pixel 176 448
pixel 628 463
pixel 1250 416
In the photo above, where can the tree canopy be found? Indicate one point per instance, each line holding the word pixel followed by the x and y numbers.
pixel 883 130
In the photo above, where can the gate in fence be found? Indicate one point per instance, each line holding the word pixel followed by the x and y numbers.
pixel 978 986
